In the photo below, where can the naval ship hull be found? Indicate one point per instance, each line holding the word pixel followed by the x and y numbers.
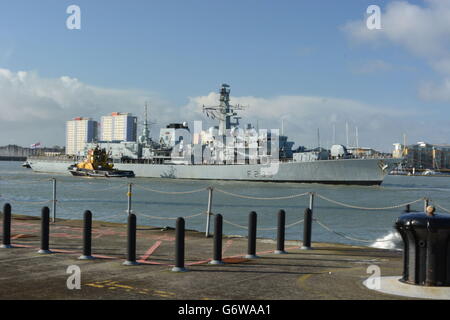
pixel 346 171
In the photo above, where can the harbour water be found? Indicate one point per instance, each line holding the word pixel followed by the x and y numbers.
pixel 107 199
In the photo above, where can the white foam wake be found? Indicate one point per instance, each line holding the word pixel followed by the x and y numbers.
pixel 392 241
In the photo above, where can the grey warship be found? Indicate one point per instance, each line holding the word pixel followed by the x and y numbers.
pixel 229 152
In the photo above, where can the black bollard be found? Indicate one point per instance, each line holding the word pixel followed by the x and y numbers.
pixel 131 241
pixel 281 232
pixel 179 247
pixel 408 208
pixel 87 236
pixel 6 226
pixel 307 228
pixel 217 259
pixel 252 220
pixel 45 230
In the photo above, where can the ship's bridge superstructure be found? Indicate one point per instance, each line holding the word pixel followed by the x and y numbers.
pixel 225 143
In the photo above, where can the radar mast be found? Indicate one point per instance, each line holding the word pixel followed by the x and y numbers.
pixel 145 137
pixel 224 111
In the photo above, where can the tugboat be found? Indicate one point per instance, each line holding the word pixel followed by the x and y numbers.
pixel 26 164
pixel 97 165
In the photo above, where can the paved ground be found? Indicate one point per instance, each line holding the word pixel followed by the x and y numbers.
pixel 329 271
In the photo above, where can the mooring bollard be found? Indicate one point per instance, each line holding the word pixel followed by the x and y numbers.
pixel 252 220
pixel 307 228
pixel 281 232
pixel 87 236
pixel 179 246
pixel 6 226
pixel 45 230
pixel 131 241
pixel 217 259
pixel 425 249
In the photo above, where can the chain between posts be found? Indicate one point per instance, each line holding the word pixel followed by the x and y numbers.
pixel 262 229
pixel 168 218
pixel 341 234
pixel 442 208
pixel 367 208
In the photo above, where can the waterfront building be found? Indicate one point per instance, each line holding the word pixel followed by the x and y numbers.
pixel 363 152
pixel 427 156
pixel 80 131
pixel 119 127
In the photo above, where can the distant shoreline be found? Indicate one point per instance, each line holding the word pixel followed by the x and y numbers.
pixel 12 158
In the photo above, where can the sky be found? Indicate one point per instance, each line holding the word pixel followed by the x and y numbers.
pixel 309 64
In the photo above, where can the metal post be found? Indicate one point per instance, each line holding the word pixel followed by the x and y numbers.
pixel 6 226
pixel 208 211
pixel 252 220
pixel 307 227
pixel 45 230
pixel 426 201
pixel 54 201
pixel 179 247
pixel 217 259
pixel 129 193
pixel 311 201
pixel 131 241
pixel 281 232
pixel 87 236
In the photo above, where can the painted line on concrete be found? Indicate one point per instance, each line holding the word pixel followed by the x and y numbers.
pixel 150 251
pixel 22 245
pixel 20 235
pixel 301 280
pixel 228 244
pixel 258 253
pixel 237 256
pixel 64 251
pixel 152 262
pixel 198 262
pixel 99 256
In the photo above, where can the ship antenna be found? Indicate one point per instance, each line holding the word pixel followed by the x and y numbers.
pixel 224 111
pixel 318 138
pixel 145 120
pixel 346 132
pixel 334 133
pixel 145 131
pixel 145 113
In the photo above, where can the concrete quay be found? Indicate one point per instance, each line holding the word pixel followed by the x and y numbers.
pixel 329 271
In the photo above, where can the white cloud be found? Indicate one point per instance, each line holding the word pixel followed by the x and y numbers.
pixel 438 92
pixel 34 109
pixel 422 30
pixel 303 115
pixel 372 66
